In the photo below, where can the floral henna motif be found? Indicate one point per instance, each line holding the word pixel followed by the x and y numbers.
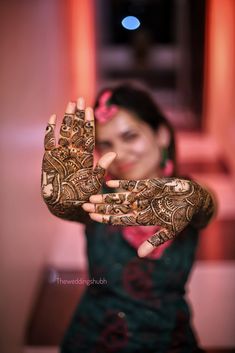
pixel 113 209
pixel 170 203
pixel 68 178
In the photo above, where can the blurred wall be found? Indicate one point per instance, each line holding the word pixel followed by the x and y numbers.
pixel 35 82
pixel 219 98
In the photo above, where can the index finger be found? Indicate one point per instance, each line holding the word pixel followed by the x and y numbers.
pixel 89 130
pixel 66 126
pixel 116 198
pixel 77 140
pixel 80 103
pixel 129 185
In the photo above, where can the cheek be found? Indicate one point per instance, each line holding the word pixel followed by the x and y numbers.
pixel 148 158
pixel 147 150
pixel 143 146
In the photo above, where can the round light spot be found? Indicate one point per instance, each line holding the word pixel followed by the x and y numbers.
pixel 130 22
pixel 121 314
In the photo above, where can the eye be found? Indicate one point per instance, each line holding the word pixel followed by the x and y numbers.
pixel 103 146
pixel 130 136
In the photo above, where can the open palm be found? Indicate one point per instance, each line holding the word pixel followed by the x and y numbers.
pixel 68 177
pixel 170 203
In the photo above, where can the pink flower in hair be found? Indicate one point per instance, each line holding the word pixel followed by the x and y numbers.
pixel 104 112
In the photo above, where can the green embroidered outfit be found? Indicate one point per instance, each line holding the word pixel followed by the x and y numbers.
pixel 140 307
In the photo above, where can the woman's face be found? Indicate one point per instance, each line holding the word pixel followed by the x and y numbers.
pixel 136 144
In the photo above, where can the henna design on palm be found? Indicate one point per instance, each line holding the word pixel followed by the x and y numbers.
pixel 170 203
pixel 68 177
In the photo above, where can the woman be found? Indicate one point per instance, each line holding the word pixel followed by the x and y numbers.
pixel 141 306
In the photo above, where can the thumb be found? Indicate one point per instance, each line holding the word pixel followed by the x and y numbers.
pixel 105 161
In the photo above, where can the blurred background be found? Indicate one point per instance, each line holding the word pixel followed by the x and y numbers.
pixel 51 52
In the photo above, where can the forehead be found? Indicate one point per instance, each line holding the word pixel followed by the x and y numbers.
pixel 122 121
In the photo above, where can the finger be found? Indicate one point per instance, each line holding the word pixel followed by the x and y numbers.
pixel 99 171
pixel 107 209
pixel 77 139
pixel 114 198
pixel 129 185
pixel 49 139
pixel 127 220
pixel 80 103
pixel 52 119
pixel 113 183
pixel 107 159
pixel 155 240
pixel 89 207
pixel 70 108
pixel 89 131
pixel 66 126
pixel 89 114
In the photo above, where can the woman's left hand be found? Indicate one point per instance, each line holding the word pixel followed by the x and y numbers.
pixel 169 203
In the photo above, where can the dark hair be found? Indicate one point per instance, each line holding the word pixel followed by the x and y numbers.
pixel 140 102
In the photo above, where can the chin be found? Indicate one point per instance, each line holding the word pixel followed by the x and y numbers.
pixel 133 175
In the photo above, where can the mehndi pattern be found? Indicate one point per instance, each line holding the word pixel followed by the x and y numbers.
pixel 68 177
pixel 170 203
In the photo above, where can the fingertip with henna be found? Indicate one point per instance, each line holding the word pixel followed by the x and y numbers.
pixel 52 119
pixel 145 249
pixel 89 114
pixel 113 183
pixel 80 103
pixel 70 109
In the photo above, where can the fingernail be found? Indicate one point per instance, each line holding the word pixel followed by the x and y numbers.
pixel 89 113
pixel 80 103
pixel 91 199
pixel 86 206
pixel 93 216
pixel 70 108
pixel 52 119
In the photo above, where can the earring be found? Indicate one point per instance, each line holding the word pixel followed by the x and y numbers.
pixel 166 164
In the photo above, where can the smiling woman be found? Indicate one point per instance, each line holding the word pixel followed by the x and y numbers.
pixel 133 141
pixel 146 207
pixel 137 131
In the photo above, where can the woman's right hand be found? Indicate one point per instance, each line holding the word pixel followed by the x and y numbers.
pixel 68 177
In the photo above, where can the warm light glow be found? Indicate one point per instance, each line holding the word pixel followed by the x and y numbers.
pixel 220 59
pixel 83 58
pixel 220 78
